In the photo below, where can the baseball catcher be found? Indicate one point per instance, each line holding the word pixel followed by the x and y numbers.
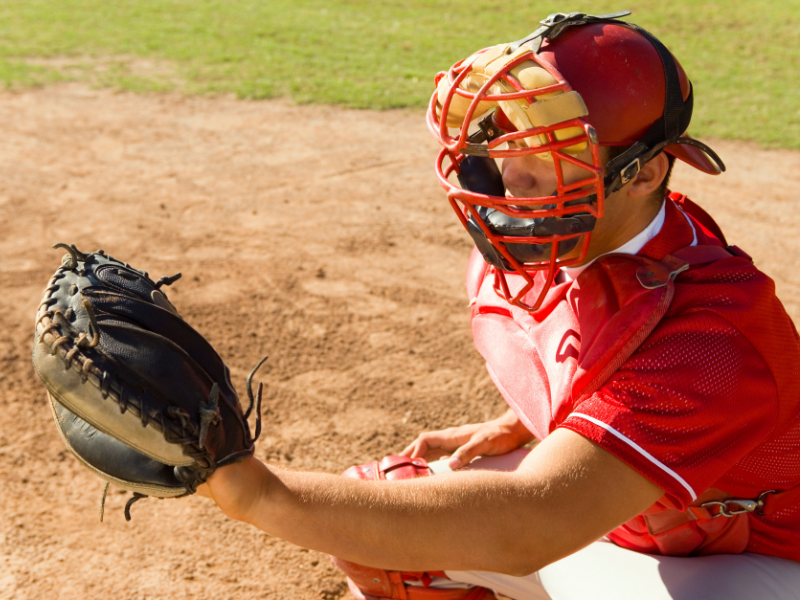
pixel 138 396
pixel 650 449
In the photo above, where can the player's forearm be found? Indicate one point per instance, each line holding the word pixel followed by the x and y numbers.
pixel 557 501
pixel 457 521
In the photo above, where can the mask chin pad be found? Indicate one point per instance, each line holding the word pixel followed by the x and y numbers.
pixel 501 224
pixel 490 254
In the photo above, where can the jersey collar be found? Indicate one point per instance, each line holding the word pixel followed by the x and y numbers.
pixel 632 246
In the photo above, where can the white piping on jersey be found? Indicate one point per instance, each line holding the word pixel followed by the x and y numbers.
pixel 640 450
pixel 694 231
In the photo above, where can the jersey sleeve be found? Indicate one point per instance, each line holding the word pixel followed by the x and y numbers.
pixel 686 406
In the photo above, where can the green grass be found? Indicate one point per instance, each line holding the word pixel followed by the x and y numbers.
pixel 743 57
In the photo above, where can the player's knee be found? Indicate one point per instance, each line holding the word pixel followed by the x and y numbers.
pixel 390 468
pixel 369 583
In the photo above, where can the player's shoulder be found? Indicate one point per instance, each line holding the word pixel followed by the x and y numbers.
pixel 730 285
pixel 731 304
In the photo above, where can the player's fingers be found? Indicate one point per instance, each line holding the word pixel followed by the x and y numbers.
pixel 415 449
pixel 435 454
pixel 434 444
pixel 427 446
pixel 477 446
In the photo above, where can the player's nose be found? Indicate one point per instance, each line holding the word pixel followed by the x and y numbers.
pixel 519 176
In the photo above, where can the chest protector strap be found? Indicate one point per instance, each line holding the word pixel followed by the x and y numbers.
pixel 604 350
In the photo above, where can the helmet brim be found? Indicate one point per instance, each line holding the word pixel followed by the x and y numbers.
pixel 696 156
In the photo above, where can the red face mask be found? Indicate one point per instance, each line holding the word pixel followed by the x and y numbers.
pixel 575 84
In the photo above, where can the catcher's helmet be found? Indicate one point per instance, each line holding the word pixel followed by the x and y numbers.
pixel 577 83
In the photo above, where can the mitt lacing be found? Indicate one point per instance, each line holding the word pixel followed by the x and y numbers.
pixel 135 498
pixel 209 414
pixel 103 501
pixel 75 255
pixel 167 280
pixel 82 341
pixel 257 401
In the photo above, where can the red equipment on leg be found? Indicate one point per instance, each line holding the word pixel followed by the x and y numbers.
pixel 369 583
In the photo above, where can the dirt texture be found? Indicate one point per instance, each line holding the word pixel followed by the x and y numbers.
pixel 313 234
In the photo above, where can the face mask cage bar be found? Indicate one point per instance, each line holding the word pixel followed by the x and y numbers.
pixel 526 271
pixel 585 196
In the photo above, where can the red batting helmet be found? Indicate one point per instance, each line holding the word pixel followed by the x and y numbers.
pixel 577 83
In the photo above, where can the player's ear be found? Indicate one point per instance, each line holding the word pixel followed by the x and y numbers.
pixel 649 177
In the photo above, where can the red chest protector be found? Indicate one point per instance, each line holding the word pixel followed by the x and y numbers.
pixel 545 363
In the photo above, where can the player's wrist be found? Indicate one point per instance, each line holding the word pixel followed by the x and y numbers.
pixel 240 489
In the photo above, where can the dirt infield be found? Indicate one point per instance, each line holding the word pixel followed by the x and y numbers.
pixel 316 235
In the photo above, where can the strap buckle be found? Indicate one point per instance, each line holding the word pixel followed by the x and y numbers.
pixel 631 170
pixel 486 133
pixel 554 24
pixel 736 506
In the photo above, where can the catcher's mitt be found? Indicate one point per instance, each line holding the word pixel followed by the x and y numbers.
pixel 139 396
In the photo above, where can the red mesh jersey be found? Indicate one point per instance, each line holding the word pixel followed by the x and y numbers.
pixel 710 399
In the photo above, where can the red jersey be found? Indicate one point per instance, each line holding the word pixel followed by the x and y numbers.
pixel 710 399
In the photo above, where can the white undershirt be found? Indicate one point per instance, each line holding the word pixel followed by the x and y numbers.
pixel 632 246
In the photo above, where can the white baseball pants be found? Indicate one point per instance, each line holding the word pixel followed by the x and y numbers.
pixel 604 571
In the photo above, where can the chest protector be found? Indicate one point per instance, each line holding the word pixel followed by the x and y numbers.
pixel 546 362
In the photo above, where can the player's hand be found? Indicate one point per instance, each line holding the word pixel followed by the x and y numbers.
pixel 499 436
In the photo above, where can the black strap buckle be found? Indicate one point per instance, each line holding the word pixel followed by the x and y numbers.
pixel 477 143
pixel 487 131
